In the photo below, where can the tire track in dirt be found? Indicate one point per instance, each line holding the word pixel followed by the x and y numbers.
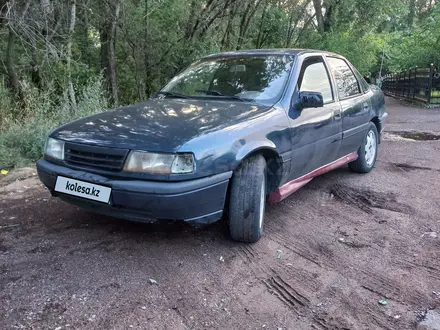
pixel 370 317
pixel 288 242
pixel 357 313
pixel 294 286
pixel 254 257
pixel 367 200
pixel 247 253
pixel 418 255
pixel 368 280
pixel 387 287
pixel 286 293
pixel 403 167
pixel 305 278
pixel 432 270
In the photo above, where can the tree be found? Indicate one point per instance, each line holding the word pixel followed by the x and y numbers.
pixel 137 45
pixel 69 49
pixel 108 33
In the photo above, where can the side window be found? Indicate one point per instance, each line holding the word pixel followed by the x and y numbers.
pixel 345 78
pixel 365 86
pixel 314 78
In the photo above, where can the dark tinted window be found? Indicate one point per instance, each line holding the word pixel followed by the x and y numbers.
pixel 314 78
pixel 364 85
pixel 345 79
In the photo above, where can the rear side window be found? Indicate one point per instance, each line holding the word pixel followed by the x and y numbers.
pixel 314 78
pixel 364 85
pixel 346 81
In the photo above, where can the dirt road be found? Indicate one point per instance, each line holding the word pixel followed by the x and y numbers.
pixel 346 242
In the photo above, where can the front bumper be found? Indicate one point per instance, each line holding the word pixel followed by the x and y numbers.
pixel 199 201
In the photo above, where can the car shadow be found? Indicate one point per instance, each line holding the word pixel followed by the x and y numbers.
pixel 79 219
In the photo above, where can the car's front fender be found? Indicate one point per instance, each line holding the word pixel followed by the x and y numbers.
pixel 253 147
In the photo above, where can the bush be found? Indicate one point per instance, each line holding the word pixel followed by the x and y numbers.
pixel 22 138
pixel 6 104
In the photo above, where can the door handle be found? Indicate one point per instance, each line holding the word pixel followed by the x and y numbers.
pixel 366 106
pixel 337 114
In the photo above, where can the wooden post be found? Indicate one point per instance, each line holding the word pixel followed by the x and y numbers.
pixel 395 84
pixel 431 74
pixel 415 83
pixel 400 84
pixel 405 86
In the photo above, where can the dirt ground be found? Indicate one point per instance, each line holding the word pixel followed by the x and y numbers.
pixel 345 242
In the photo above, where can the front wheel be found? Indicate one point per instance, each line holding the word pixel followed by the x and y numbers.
pixel 248 200
pixel 367 153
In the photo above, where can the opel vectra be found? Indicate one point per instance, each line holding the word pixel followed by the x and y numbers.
pixel 229 133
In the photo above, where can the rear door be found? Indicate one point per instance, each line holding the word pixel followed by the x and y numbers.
pixel 355 105
pixel 316 133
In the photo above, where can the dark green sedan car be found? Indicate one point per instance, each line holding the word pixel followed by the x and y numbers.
pixel 231 132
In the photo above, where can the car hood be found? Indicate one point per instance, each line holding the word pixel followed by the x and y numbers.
pixel 158 125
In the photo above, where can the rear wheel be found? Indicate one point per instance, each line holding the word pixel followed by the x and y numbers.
pixel 248 200
pixel 367 153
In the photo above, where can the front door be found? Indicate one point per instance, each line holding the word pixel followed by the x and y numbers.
pixel 316 133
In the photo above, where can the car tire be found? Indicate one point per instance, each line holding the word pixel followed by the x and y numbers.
pixel 367 153
pixel 248 200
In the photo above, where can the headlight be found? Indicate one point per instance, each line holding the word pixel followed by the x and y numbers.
pixel 54 148
pixel 156 163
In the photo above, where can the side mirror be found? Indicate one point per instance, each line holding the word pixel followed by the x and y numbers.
pixel 311 100
pixel 368 80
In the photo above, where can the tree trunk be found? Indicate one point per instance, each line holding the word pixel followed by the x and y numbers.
pixel 412 13
pixel 260 30
pixel 147 81
pixel 108 52
pixel 317 4
pixel 112 57
pixel 246 19
pixel 304 28
pixel 14 83
pixel 203 15
pixel 290 29
pixel 226 40
pixel 192 14
pixel 328 17
pixel 211 21
pixel 242 31
pixel 71 90
pixel 3 10
pixel 35 68
pixel 46 6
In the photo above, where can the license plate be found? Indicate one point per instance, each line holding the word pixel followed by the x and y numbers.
pixel 83 189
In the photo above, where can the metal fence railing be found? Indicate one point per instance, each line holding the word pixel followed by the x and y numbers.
pixel 422 84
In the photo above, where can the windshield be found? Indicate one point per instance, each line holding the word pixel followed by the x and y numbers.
pixel 256 78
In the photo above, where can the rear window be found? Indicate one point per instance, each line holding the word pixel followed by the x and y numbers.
pixel 364 85
pixel 346 81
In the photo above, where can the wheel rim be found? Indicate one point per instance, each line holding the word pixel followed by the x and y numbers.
pixel 262 202
pixel 370 148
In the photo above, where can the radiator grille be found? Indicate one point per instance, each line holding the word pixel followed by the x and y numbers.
pixel 109 159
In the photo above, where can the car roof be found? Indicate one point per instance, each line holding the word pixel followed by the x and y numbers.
pixel 276 51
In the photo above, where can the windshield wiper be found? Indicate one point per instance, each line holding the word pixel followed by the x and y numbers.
pixel 164 93
pixel 216 93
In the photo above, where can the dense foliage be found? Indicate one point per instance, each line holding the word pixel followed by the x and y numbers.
pixel 62 59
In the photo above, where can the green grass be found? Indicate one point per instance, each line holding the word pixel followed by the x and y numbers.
pixel 22 137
